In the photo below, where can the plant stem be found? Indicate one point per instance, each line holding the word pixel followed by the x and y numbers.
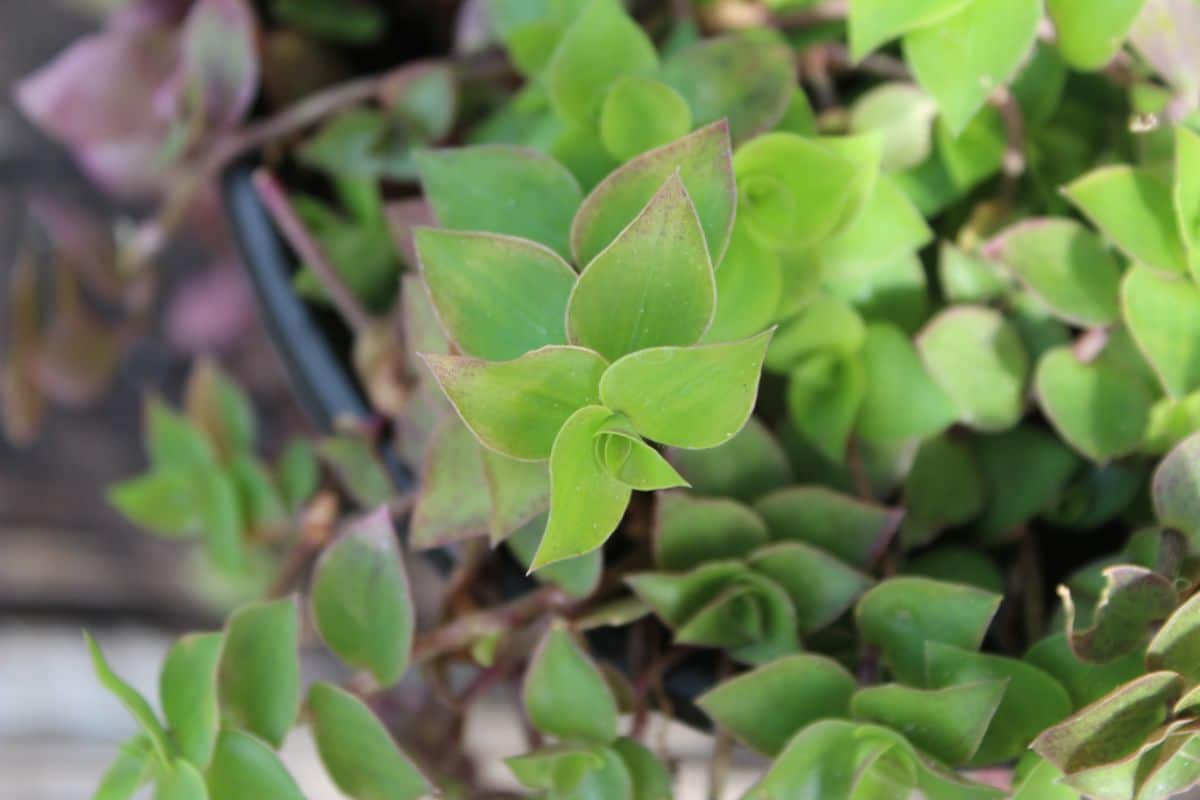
pixel 462 632
pixel 275 198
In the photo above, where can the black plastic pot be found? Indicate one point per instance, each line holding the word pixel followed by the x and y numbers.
pixel 327 390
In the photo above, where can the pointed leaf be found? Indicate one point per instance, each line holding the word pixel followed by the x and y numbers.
pixel 873 22
pixel 357 468
pixel 820 586
pixel 244 768
pixel 693 397
pixel 1176 487
pixel 962 58
pixel 904 114
pixel 517 407
pixel 1085 682
pixel 853 530
pixel 454 502
pixel 1163 316
pixel 767 706
pixel 259 678
pixel 357 750
pixel 134 703
pixel 704 164
pixel 630 460
pixel 565 695
pixel 1024 471
pixel 181 781
pixel 463 185
pixel 1186 192
pixel 498 297
pixel 578 576
pixel 519 491
pixel 749 289
pixel 944 487
pixel 901 614
pixel 586 503
pixel 1134 209
pixel 361 601
pixel 1176 646
pixel 744 468
pixel 824 396
pixel 640 114
pixel 652 286
pixel 187 692
pixel 1064 264
pixel 947 723
pixel 651 781
pixel 1090 35
pixel 129 771
pixel 893 370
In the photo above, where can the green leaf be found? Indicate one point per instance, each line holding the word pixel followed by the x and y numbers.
pixel 181 781
pixel 767 706
pixel 795 191
pixel 1176 487
pixel 172 440
pixel 1112 727
pixel 651 781
pixel 498 297
pixel 901 614
pixel 221 522
pixel 1024 471
pixel 1098 408
pixel 129 771
pixel 749 289
pixel 361 602
pixel 968 278
pixel 640 114
pixel 824 396
pixel 943 488
pixel 559 768
pixel 517 407
pixel 133 702
pixel 962 58
pixel 746 78
pixel 187 692
pixel 693 397
pixel 1032 702
pixel 462 186
pixel 1066 266
pixel 820 586
pixel 582 151
pixel 586 503
pixel 259 676
pixel 1186 192
pixel 652 286
pixel 626 457
pixel 978 359
pixel 1133 208
pixel 164 502
pixel 948 723
pixel 455 498
pixel 565 695
pixel 853 530
pixel 826 326
pixel 1041 781
pixel 1086 682
pixel 336 22
pixel 873 22
pixel 1089 35
pixel 357 750
pixel 531 30
pixel 744 468
pixel 578 576
pixel 220 408
pixel 958 564
pixel 518 490
pixel 904 115
pixel 244 768
pixel 1176 645
pixel 357 469
pixel 1176 770
pixel 262 509
pixel 690 530
pixel 583 67
pixel 704 164
pixel 887 225
pixel 1163 317
pixel 894 372
pixel 297 473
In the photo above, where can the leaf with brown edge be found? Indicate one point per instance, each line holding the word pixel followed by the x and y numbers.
pixel 1134 600
pixel 517 407
pixel 704 162
pixel 1112 727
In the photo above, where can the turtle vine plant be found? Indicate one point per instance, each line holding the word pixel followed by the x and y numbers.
pixel 970 276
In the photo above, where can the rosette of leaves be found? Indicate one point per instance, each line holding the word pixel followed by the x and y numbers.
pixel 229 698
pixel 755 580
pixel 585 370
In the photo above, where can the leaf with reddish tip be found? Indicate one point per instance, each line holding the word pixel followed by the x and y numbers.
pixel 499 297
pixel 1134 600
pixel 219 48
pixel 853 530
pixel 704 163
pixel 517 407
pixel 1112 727
pixel 767 706
pixel 651 286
